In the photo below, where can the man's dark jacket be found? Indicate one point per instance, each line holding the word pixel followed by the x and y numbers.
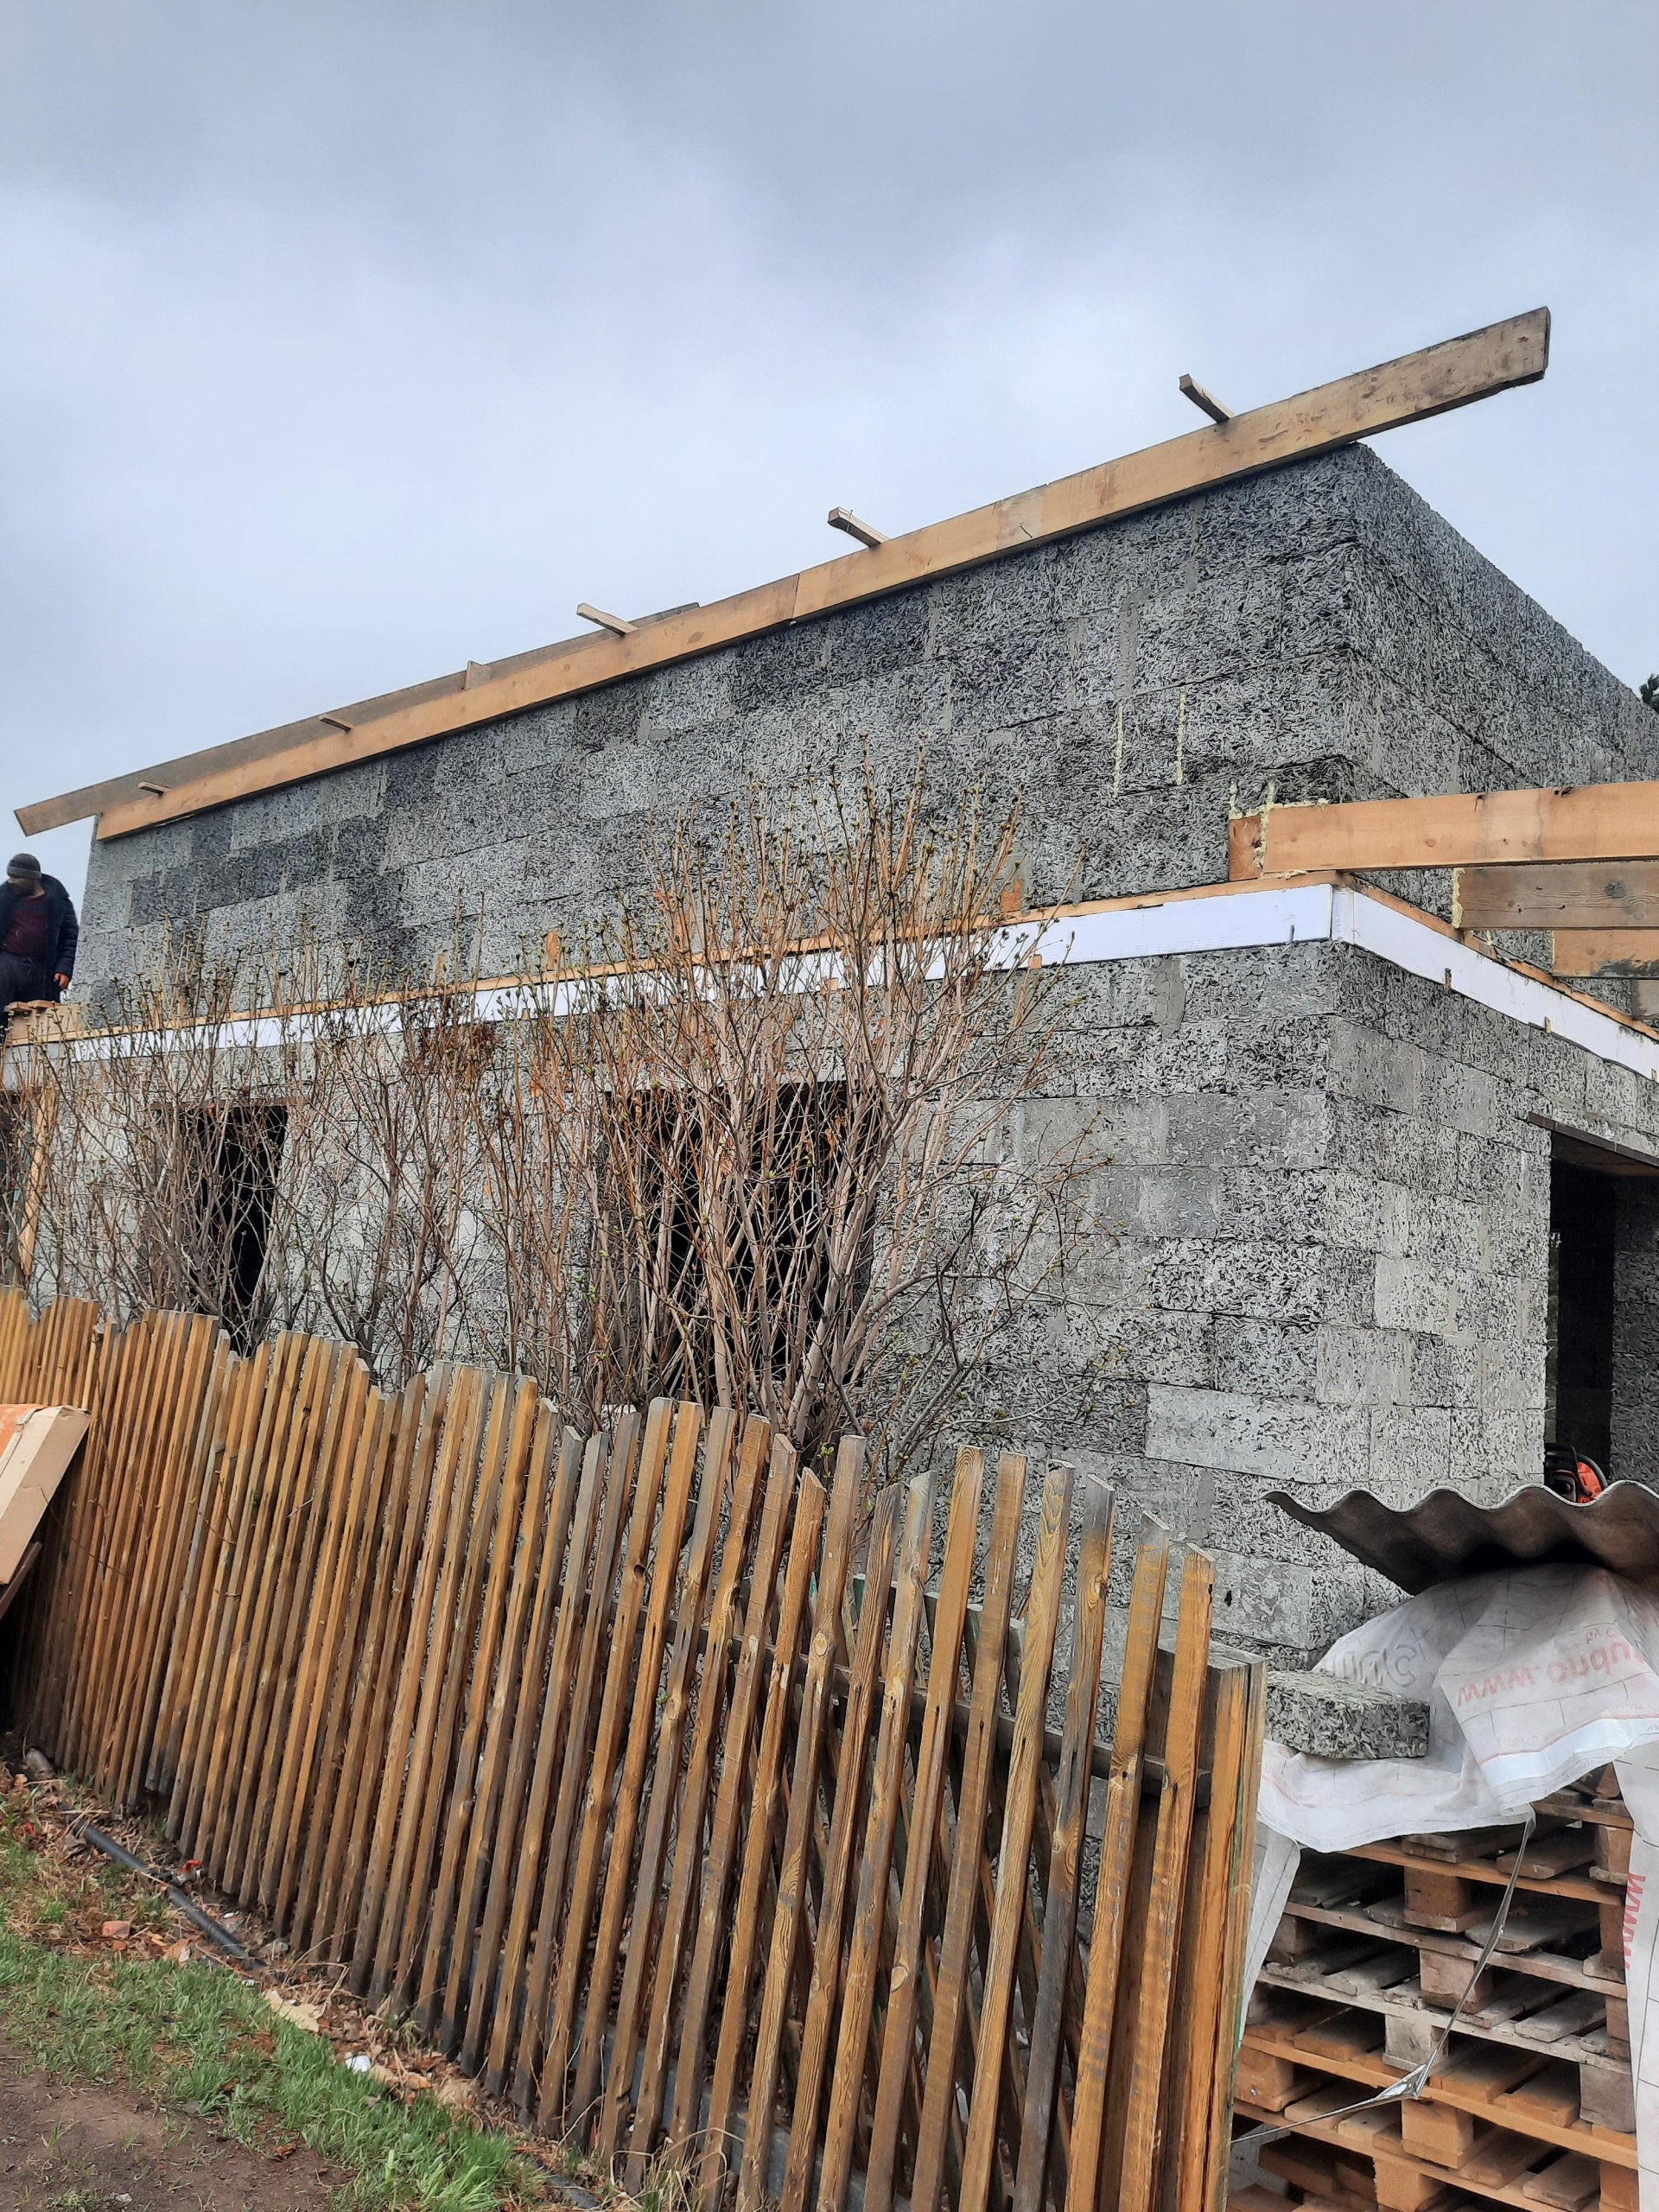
pixel 62 930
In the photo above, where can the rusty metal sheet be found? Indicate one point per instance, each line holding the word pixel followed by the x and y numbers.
pixel 1444 1536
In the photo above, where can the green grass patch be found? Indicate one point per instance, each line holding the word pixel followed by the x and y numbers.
pixel 200 2039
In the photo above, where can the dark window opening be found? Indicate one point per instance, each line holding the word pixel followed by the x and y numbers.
pixel 795 1163
pixel 232 1154
pixel 1578 1364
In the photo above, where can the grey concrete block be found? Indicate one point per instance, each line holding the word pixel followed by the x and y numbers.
pixel 1332 1719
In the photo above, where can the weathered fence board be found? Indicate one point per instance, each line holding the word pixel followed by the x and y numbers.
pixel 696 1810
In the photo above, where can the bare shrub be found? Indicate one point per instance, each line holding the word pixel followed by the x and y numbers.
pixel 773 1137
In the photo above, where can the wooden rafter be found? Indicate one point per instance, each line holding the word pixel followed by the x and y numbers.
pixel 1407 390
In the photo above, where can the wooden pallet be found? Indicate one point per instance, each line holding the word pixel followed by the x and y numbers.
pixel 1532 2102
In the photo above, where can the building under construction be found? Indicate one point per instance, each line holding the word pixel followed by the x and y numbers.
pixel 1377 1087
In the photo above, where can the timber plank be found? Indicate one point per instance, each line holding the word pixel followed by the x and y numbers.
pixel 1409 389
pixel 1557 895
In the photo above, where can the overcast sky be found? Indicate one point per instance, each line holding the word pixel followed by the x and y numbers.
pixel 340 344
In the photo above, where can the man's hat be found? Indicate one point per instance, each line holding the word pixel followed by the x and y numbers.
pixel 22 864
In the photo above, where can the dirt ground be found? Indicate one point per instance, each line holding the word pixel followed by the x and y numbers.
pixel 76 2148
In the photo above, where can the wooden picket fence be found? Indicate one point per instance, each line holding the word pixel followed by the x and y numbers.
pixel 662 1783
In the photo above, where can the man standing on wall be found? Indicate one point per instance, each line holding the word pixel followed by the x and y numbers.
pixel 38 933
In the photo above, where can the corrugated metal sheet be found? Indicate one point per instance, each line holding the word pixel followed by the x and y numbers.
pixel 1444 1536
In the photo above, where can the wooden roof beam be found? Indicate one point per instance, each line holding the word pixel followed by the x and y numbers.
pixel 1409 390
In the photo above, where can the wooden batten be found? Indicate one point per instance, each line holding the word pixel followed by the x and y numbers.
pixel 1407 390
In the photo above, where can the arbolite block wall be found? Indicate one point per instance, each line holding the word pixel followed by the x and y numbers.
pixel 1324 1207
pixel 1318 628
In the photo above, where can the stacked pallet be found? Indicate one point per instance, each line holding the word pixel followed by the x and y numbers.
pixel 1531 2103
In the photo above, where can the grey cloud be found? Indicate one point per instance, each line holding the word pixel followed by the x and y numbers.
pixel 339 344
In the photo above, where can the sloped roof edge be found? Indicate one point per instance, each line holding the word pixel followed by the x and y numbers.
pixel 1409 389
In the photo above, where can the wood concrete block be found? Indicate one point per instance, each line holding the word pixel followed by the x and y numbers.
pixel 1437 2132
pixel 37 1445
